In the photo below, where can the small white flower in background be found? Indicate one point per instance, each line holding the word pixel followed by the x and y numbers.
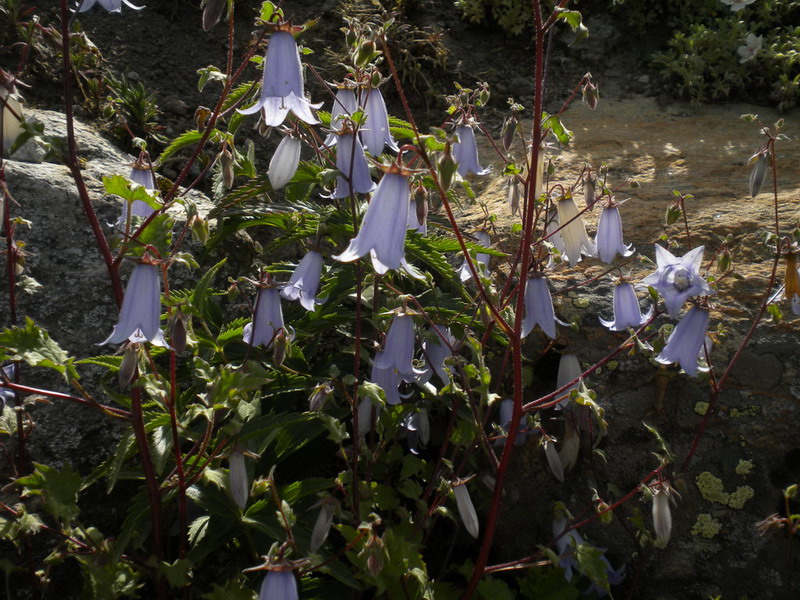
pixel 573 231
pixel 481 261
pixel 751 47
pixel 268 319
pixel 627 312
pixel 466 509
pixel 365 409
pixel 686 342
pixel 465 152
pixel 437 351
pixel 737 5
pixel 279 585
pixel 678 279
pixel 662 517
pixel 11 118
pixel 539 308
pixel 553 459
pixel 284 162
pixel 322 525
pixel 418 427
pixel 237 479
pixel 344 105
pixel 569 369
pixel 140 315
pixel 375 133
pixel 109 5
pixel 282 84
pixel 609 235
pixel 304 283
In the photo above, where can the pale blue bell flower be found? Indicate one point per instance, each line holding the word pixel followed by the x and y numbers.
pixel 279 585
pixel 383 229
pixel 304 282
pixel 626 309
pixel 375 133
pixel 344 105
pixel 140 315
pixel 686 342
pixel 506 410
pixel 609 235
pixel 481 259
pixel 465 152
pixel 678 279
pixel 398 350
pixel 282 85
pixel 437 351
pixel 539 308
pixel 139 208
pixel 268 318
pixel 351 162
pixel 109 5
pixel 566 547
pixel 284 162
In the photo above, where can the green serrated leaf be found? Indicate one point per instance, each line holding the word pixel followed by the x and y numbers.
pixel 33 345
pixel 59 490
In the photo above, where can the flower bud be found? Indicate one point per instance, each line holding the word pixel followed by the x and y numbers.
pixel 200 229
pixel 553 460
pixel 319 396
pixel 364 54
pixel 201 116
pixel 513 194
pixel 447 168
pixel 350 37
pixel 226 162
pixel 127 368
pixel 570 446
pixel 281 346
pixel 322 526
pixel 177 331
pixel 421 204
pixel 212 12
pixel 589 191
pixel 760 164
pixel 483 96
pixel 509 131
pixel 284 162
pixel 375 551
pixel 466 509
pixel 591 95
pixel 662 518
pixel 238 484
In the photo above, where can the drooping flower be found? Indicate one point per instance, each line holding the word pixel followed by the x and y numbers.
pixel 284 162
pixel 322 525
pixel 144 177
pixel 569 369
pixel 513 194
pixel 609 235
pixel 466 510
pixel 678 279
pixel 626 308
pixel 481 261
pixel 304 282
pixel 751 47
pixel 140 315
pixel 686 342
pixel 344 105
pixel 662 517
pixel 570 447
pixel 437 350
pixel 553 459
pixel 388 379
pixel 237 479
pixel 279 585
pixel 573 231
pixel 282 85
pixel 465 152
pixel 737 5
pixel 567 545
pixel 268 319
pixel 351 162
pixel 383 230
pixel 375 133
pixel 506 410
pixel 398 351
pixel 552 231
pixel 109 5
pixel 539 307
pixel 365 411
pixel 418 426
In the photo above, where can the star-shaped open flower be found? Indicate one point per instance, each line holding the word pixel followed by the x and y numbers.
pixel 282 85
pixel 678 279
pixel 109 5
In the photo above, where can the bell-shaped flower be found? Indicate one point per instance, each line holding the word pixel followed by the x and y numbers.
pixel 678 279
pixel 573 231
pixel 567 547
pixel 388 378
pixel 140 315
pixel 282 85
pixel 304 282
pixel 437 349
pixel 686 342
pixel 609 235
pixel 351 162
pixel 481 261
pixel 284 162
pixel 109 5
pixel 465 152
pixel 279 585
pixel 344 105
pixel 539 307
pixel 144 177
pixel 383 230
pixel 268 318
pixel 662 516
pixel 375 133
pixel 466 510
pixel 398 350
pixel 626 308
pixel 418 429
pixel 366 408
pixel 569 369
pixel 238 482
pixel 552 231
